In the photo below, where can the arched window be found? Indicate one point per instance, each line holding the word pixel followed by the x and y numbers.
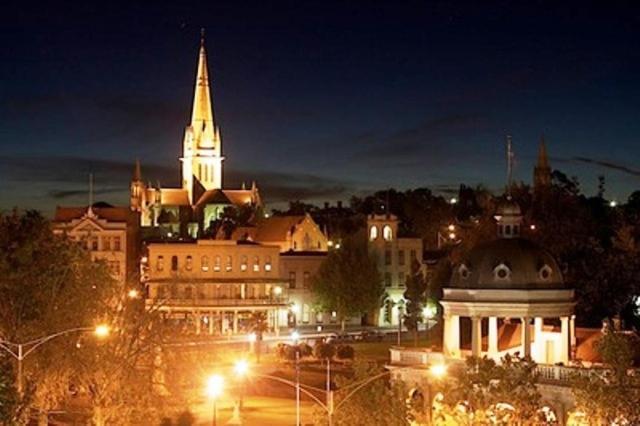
pixel 189 263
pixel 256 264
pixel 174 263
pixel 216 264
pixel 205 263
pixel 387 233
pixel 502 272
pixel 160 263
pixel 229 265
pixel 373 233
pixel 243 263
pixel 267 263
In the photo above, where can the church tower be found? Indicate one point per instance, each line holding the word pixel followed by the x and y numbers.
pixel 202 146
pixel 542 170
pixel 138 189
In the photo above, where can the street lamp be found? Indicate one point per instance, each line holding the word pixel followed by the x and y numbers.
pixel 133 294
pixel 295 336
pixel 213 389
pixel 241 369
pixel 25 349
pixel 437 372
pixel 428 312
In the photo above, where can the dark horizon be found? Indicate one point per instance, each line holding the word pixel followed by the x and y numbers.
pixel 318 102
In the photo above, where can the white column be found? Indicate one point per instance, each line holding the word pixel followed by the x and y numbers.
pixel 210 322
pixel 493 337
pixel 451 335
pixel 476 336
pixel 235 322
pixel 196 316
pixel 572 331
pixel 225 322
pixel 564 339
pixel 539 346
pixel 277 321
pixel 526 336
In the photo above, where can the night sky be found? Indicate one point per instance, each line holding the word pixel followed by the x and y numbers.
pixel 317 100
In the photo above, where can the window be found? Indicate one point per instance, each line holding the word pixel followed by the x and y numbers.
pixel 387 279
pixel 545 273
pixel 229 265
pixel 502 272
pixel 305 313
pixel 189 263
pixel 401 279
pixel 413 256
pixel 318 317
pixel 116 244
pixel 160 263
pixel 387 233
pixel 93 243
pixel 373 233
pixel 401 257
pixel 507 230
pixel 292 279
pixel 205 263
pixel 256 264
pixel 106 243
pixel 387 257
pixel 243 263
pixel 267 263
pixel 306 280
pixel 174 263
pixel 216 264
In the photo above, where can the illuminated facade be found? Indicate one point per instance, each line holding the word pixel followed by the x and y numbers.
pixel 189 210
pixel 213 286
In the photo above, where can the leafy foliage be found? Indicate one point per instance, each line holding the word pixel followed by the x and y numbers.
pixel 416 286
pixel 348 281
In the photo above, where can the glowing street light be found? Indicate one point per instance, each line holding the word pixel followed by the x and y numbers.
pixel 438 371
pixel 277 290
pixel 102 331
pixel 452 235
pixel 453 200
pixel 241 367
pixel 133 294
pixel 451 227
pixel 613 203
pixel 295 336
pixel 532 227
pixel 213 389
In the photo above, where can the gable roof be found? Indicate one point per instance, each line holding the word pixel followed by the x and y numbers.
pixel 110 214
pixel 276 228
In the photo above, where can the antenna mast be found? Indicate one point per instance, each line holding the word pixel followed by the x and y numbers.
pixel 509 165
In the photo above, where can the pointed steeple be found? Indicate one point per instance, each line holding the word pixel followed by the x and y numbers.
pixel 543 161
pixel 202 118
pixel 137 173
pixel 542 170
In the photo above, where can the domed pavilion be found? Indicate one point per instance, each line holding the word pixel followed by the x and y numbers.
pixel 510 280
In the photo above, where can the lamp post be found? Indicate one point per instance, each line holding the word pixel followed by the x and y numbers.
pixel 295 336
pixel 436 371
pixel 23 350
pixel 214 388
pixel 429 313
pixel 241 368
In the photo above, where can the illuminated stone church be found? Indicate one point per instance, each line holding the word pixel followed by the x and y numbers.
pixel 201 199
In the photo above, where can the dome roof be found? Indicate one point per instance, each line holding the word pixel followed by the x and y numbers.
pixel 513 263
pixel 508 207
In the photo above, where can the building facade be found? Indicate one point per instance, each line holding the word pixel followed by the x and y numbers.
pixel 213 286
pixel 109 233
pixel 395 258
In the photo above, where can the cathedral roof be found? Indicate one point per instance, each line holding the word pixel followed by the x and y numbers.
pixel 234 197
pixel 276 228
pixel 174 197
pixel 110 214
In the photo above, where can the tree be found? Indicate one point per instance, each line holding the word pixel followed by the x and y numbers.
pixel 348 281
pixel 611 395
pixel 380 402
pixel 48 284
pixel 416 285
pixel 9 398
pixel 483 386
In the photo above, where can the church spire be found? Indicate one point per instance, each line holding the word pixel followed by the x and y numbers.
pixel 202 118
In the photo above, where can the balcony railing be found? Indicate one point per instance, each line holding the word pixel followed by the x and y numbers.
pixel 177 302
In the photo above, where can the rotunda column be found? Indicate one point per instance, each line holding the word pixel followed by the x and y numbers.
pixel 493 337
pixel 526 336
pixel 564 339
pixel 476 336
pixel 451 335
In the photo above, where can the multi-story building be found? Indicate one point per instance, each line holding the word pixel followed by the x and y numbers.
pixel 213 286
pixel 395 258
pixel 298 233
pixel 109 233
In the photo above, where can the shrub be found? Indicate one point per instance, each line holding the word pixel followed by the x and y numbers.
pixel 324 350
pixel 345 352
pixel 282 351
pixel 305 350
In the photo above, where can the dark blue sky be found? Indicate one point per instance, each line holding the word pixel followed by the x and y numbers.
pixel 317 100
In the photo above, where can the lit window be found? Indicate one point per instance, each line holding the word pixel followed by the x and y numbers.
pixel 305 313
pixel 387 233
pixel 292 279
pixel 373 233
pixel 306 280
pixel 160 263
pixel 216 264
pixel 267 264
pixel 256 264
pixel 229 265
pixel 205 263
pixel 189 263
pixel 243 263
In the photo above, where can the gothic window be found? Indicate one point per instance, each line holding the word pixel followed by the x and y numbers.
pixel 387 233
pixel 256 264
pixel 229 265
pixel 306 242
pixel 373 233
pixel 189 263
pixel 216 263
pixel 267 263
pixel 174 263
pixel 160 263
pixel 243 263
pixel 205 263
